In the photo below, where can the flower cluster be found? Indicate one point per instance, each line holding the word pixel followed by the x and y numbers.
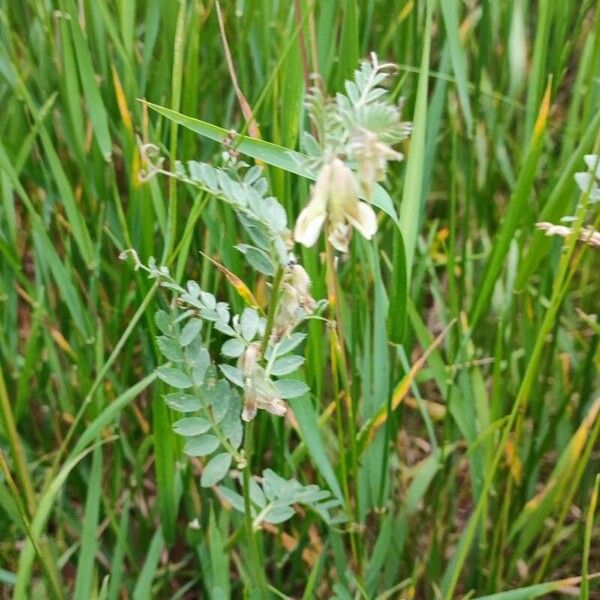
pixel 335 197
pixel 357 129
pixel 295 304
pixel 259 390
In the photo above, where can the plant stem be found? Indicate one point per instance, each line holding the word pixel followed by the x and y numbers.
pixel 340 371
pixel 256 563
pixel 272 309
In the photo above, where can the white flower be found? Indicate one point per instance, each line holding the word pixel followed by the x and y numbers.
pixel 593 164
pixel 298 283
pixel 335 198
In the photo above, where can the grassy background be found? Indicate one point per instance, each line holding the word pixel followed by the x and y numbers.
pixel 482 477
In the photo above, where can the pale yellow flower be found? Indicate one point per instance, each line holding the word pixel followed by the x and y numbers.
pixel 372 156
pixel 259 390
pixel 335 198
pixel 295 303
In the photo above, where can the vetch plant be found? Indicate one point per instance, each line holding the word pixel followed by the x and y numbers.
pixel 257 353
pixel 220 394
pixel 259 374
pixel 212 425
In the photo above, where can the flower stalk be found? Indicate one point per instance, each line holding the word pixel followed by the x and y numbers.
pixel 339 371
pixel 256 562
pixel 254 552
pixel 272 309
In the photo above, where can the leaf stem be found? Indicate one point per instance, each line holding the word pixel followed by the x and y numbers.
pixel 272 309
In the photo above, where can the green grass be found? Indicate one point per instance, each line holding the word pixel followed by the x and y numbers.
pixel 471 473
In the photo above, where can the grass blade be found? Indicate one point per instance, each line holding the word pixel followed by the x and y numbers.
pixel 589 525
pixel 516 207
pixel 91 92
pixel 412 193
pixel 84 579
pixel 537 591
pixel 143 587
pixel 277 156
pixel 457 56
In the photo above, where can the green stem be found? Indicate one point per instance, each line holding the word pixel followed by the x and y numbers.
pixel 340 371
pixel 208 412
pixel 272 309
pixel 256 564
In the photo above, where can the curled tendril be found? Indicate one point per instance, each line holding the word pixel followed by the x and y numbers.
pixel 137 263
pixel 152 162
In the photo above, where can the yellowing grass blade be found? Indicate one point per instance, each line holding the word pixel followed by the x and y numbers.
pixel 539 507
pixel 238 285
